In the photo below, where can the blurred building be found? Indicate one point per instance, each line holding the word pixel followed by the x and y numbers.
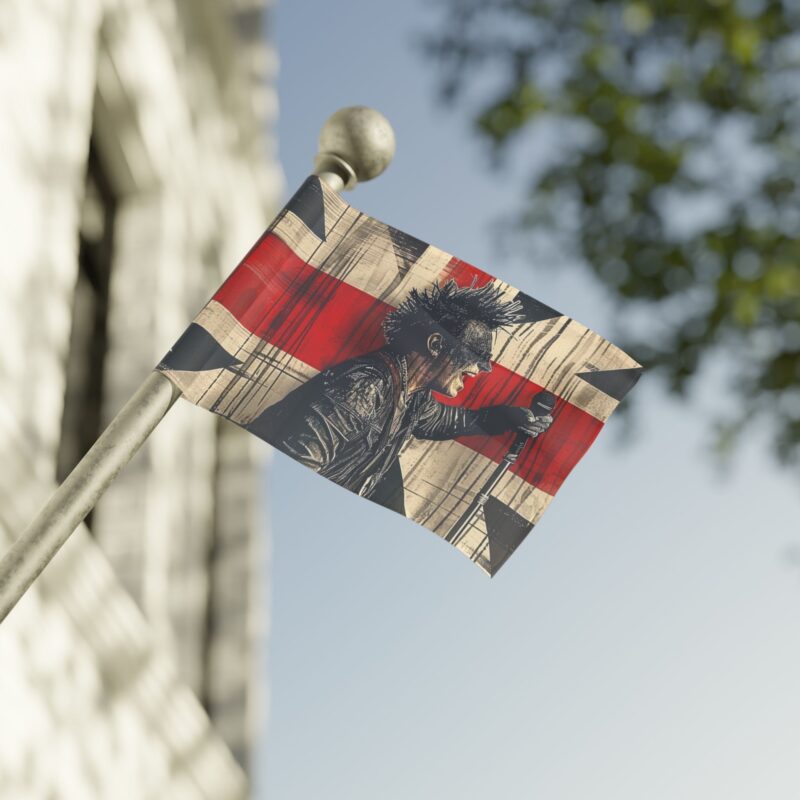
pixel 136 168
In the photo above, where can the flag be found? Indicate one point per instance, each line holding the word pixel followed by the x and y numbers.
pixel 402 373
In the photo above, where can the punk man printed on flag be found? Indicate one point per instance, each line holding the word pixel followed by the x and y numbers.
pixel 350 422
pixel 346 344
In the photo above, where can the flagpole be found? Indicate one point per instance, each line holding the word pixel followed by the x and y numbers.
pixel 356 144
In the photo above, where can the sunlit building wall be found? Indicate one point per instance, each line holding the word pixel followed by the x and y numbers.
pixel 136 168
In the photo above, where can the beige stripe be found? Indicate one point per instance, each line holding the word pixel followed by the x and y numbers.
pixel 441 479
pixel 554 352
pixel 270 373
pixel 359 251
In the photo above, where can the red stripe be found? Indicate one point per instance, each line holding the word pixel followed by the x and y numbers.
pixel 322 320
pixel 546 461
pixel 464 274
pixel 302 310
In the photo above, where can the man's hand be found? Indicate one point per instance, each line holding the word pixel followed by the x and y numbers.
pixel 499 419
pixel 533 425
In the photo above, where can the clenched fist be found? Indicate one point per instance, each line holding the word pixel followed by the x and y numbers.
pixel 499 419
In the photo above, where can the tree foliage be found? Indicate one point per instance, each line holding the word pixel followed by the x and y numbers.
pixel 672 169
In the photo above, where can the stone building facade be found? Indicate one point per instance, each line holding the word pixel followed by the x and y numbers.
pixel 136 168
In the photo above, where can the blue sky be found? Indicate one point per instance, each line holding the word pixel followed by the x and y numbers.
pixel 642 643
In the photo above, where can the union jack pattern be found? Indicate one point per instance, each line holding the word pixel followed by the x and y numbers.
pixel 306 307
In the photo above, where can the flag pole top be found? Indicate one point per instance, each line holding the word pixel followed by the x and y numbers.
pixel 356 144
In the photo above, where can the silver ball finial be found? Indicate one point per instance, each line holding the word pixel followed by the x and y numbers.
pixel 357 143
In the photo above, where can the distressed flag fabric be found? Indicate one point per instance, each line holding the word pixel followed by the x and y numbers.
pixel 402 373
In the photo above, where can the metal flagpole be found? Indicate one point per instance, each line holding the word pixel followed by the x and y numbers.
pixel 356 144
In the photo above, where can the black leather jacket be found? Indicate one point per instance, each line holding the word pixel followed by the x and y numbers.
pixel 350 421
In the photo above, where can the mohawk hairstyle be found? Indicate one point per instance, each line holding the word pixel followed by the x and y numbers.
pixel 450 308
